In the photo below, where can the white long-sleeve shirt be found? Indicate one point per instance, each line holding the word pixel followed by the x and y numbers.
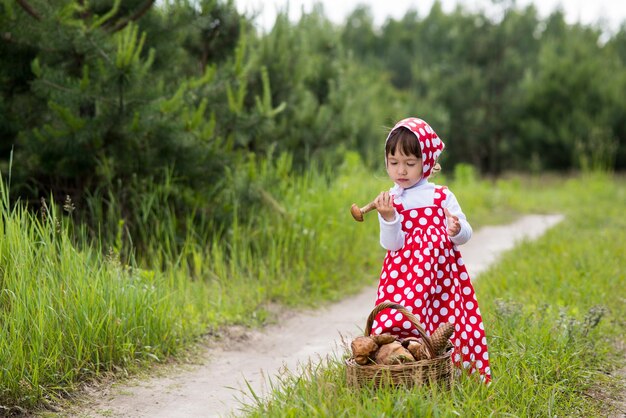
pixel 420 195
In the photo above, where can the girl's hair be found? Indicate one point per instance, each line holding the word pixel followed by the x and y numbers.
pixel 405 140
pixel 408 145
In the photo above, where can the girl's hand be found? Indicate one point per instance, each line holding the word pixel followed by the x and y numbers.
pixel 454 226
pixel 384 205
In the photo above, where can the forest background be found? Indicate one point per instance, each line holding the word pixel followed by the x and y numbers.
pixel 172 139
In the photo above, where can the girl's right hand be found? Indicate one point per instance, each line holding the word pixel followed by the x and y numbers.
pixel 384 206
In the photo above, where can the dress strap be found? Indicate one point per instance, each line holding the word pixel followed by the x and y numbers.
pixel 399 206
pixel 440 195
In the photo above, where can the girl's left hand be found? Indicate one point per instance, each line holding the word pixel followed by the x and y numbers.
pixel 454 226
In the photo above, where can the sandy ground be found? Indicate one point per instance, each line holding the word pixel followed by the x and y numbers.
pixel 217 386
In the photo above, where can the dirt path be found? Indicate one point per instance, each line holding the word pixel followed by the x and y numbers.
pixel 216 388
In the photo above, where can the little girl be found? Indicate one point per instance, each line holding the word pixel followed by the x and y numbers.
pixel 421 225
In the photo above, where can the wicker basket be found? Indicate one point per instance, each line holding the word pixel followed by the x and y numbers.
pixel 432 370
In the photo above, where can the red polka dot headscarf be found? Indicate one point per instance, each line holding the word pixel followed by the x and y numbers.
pixel 430 144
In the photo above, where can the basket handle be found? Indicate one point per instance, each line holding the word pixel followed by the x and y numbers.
pixel 390 305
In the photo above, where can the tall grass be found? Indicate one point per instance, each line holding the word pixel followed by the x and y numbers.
pixel 553 310
pixel 69 313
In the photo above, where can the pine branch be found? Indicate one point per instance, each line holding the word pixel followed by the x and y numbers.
pixel 135 16
pixel 29 9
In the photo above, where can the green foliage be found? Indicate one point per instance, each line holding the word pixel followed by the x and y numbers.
pixel 571 102
pixel 120 96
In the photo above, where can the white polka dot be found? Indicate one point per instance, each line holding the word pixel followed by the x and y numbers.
pixel 395 329
pixel 464 276
pixel 422 221
pixel 397 260
pixel 465 350
pixel 406 324
pixel 390 288
pixel 477 334
pixel 485 356
pixel 467 290
pixel 419 287
pixel 403 268
pixel 378 330
pixel 398 316
pixel 393 274
pixel 413 214
pixel 418 303
pixel 460 261
pixel 388 323
pixel 411 295
pixel 439 274
pixel 479 364
pixel 396 298
pixel 383 317
pixel 445 297
pixel 442 259
pixel 436 319
pixel 478 349
pixel 446 282
pixel 443 311
pixel 436 303
pixel 408 225
pixel 469 305
pixel 473 319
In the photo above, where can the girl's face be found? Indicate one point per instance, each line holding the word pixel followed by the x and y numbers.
pixel 404 170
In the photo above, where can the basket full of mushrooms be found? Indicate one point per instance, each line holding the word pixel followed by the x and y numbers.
pixel 385 359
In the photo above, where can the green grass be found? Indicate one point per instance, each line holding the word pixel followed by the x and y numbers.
pixel 553 310
pixel 72 311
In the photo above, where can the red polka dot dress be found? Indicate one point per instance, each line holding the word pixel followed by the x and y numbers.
pixel 428 277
